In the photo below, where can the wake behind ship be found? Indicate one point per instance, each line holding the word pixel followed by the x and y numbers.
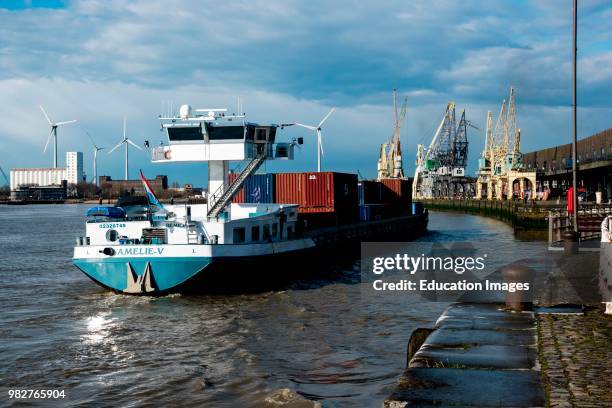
pixel 143 247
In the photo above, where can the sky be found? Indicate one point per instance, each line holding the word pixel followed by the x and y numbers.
pixel 98 60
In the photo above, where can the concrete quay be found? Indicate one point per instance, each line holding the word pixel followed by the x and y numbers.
pixel 477 355
pixel 576 358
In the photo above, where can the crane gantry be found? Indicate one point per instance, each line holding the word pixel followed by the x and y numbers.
pixel 390 163
pixel 501 164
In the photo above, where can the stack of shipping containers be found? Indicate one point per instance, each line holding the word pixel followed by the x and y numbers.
pixel 329 198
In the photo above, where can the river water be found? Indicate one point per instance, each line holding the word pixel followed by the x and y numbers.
pixel 322 340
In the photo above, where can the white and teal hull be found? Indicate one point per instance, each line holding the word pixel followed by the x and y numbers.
pixel 160 269
pixel 150 269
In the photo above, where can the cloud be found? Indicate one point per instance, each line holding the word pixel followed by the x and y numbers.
pixel 294 60
pixel 340 51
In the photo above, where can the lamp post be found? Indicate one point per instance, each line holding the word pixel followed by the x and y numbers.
pixel 574 108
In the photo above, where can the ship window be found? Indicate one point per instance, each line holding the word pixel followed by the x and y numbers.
pixel 111 235
pixel 225 132
pixel 255 233
pixel 261 134
pixel 178 134
pixel 239 235
pixel 274 230
pixel 266 232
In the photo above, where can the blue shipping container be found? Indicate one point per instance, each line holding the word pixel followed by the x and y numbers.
pixel 259 188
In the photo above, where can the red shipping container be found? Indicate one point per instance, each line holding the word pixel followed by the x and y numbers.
pixel 320 192
pixel 289 189
pixel 239 196
pixel 398 194
pixel 398 189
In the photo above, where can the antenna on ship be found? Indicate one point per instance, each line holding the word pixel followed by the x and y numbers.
pixel 125 142
pixel 319 140
pixel 53 133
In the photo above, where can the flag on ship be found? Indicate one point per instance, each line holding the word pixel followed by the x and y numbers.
pixel 150 193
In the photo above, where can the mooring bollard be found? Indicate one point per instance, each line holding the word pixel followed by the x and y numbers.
pixel 571 241
pixel 519 299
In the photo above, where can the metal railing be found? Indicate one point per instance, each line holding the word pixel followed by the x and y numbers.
pixel 220 198
pixel 590 218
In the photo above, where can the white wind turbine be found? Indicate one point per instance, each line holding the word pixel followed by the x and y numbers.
pixel 125 142
pixel 53 133
pixel 319 141
pixel 95 158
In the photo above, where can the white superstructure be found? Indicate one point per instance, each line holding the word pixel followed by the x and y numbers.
pixel 49 176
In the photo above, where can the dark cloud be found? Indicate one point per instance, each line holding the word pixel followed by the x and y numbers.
pixel 347 51
pixel 300 58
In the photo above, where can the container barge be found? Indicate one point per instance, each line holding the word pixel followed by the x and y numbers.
pixel 251 225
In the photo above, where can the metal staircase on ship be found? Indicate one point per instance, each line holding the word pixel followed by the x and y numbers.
pixel 222 197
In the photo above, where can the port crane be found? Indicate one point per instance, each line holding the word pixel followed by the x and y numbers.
pixel 390 158
pixel 501 163
pixel 440 168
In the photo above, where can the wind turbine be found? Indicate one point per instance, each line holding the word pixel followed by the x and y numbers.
pixel 319 141
pixel 53 132
pixel 95 159
pixel 125 142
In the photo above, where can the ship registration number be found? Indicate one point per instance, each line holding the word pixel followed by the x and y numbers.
pixel 112 225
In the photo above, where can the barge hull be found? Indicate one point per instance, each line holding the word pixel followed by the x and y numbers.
pixel 215 268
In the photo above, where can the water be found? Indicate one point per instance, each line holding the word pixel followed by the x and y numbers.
pixel 324 340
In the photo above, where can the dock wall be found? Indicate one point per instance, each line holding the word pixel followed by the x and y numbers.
pixel 530 216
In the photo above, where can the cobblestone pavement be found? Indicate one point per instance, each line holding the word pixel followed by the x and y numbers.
pixel 576 357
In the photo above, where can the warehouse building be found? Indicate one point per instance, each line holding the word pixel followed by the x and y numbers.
pixel 41 193
pixel 49 176
pixel 114 188
pixel 553 166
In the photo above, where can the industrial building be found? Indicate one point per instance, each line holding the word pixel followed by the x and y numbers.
pixel 115 188
pixel 51 194
pixel 49 176
pixel 553 166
